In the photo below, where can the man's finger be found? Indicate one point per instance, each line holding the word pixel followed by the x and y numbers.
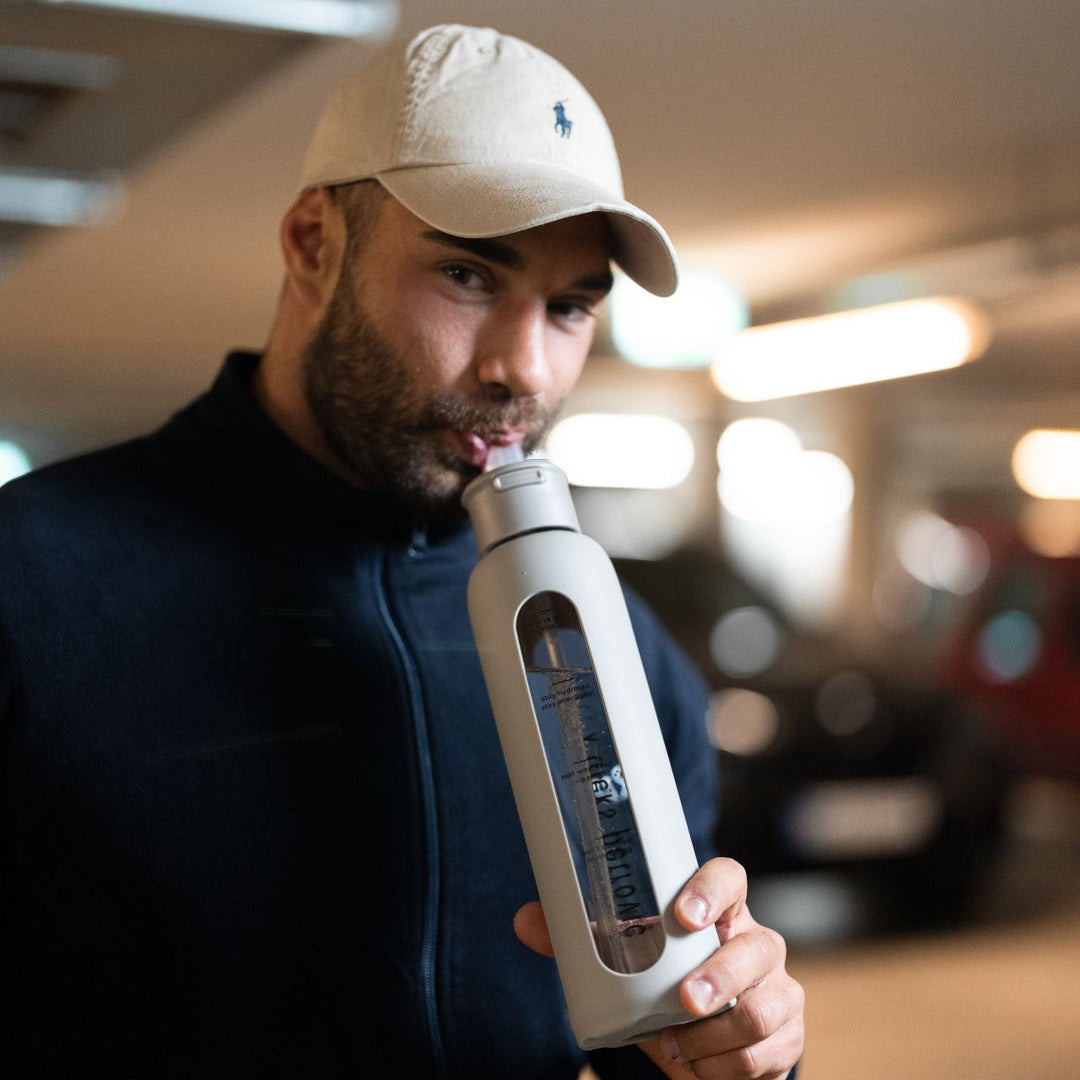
pixel 762 1037
pixel 743 962
pixel 531 928
pixel 715 895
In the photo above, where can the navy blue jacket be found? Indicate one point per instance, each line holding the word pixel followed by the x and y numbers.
pixel 255 821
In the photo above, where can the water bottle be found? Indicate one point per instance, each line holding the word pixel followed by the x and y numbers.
pixel 607 839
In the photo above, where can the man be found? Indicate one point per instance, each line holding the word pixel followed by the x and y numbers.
pixel 256 822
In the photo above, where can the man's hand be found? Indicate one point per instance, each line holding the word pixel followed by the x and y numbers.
pixel 761 1038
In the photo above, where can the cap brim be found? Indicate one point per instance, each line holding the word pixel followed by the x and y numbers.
pixel 480 200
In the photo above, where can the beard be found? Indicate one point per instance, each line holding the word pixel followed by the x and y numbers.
pixel 390 435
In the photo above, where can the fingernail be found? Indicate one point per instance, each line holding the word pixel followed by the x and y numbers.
pixel 701 993
pixel 696 910
pixel 669 1046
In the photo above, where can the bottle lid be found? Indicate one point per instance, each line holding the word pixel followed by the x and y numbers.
pixel 521 497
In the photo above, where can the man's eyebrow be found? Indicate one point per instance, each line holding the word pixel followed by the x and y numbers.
pixel 503 254
pixel 601 283
pixel 494 251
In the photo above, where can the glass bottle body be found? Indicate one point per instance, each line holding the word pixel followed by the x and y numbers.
pixel 593 791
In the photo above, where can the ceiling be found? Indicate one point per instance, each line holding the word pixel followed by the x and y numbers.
pixel 797 147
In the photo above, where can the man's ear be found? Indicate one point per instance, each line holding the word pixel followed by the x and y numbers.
pixel 313 245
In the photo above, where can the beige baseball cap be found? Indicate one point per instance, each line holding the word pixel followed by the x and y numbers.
pixel 481 134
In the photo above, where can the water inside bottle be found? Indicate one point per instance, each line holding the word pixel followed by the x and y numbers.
pixel 593 792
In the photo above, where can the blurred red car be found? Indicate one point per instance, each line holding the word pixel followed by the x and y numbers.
pixel 1017 652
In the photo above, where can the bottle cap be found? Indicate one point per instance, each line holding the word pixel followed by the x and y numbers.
pixel 521 497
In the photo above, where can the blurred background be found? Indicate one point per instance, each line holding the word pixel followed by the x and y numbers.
pixel 843 462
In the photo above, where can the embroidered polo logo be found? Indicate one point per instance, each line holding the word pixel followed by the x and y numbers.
pixel 562 124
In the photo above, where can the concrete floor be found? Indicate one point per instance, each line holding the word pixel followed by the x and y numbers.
pixel 999 1000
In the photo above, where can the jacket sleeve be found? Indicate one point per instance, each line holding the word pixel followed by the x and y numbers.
pixel 681 698
pixel 629 1063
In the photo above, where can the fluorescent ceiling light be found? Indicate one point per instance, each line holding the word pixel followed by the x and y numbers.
pixel 335 18
pixel 615 450
pixel 42 197
pixel 767 476
pixel 848 348
pixel 750 442
pixel 1046 463
pixel 57 67
pixel 679 331
pixel 811 487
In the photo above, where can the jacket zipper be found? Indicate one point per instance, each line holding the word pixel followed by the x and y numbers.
pixel 427 785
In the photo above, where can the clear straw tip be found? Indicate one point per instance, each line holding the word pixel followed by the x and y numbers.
pixel 503 455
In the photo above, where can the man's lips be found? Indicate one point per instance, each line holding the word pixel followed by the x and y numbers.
pixel 473 448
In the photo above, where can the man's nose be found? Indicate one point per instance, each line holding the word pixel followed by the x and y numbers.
pixel 513 360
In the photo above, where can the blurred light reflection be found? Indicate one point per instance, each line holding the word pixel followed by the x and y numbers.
pixel 13 461
pixel 1051 527
pixel 871 818
pixel 55 198
pixel 344 18
pixel 754 442
pixel 742 722
pixel 766 475
pixel 848 348
pixel 942 555
pixel 1046 464
pixel 845 703
pixel 679 331
pixel 632 524
pixel 1009 646
pixel 785 519
pixel 622 450
pixel 745 641
pixel 812 908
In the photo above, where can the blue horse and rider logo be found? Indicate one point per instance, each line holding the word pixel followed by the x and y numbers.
pixel 562 123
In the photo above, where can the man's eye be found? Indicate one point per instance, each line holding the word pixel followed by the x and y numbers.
pixel 465 276
pixel 571 310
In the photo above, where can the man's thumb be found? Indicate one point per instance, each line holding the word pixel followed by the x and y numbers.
pixel 531 928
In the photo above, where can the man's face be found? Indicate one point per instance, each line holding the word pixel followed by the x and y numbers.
pixel 435 348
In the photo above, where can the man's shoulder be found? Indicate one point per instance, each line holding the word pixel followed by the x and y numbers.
pixel 102 478
pixel 71 494
pixel 70 478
